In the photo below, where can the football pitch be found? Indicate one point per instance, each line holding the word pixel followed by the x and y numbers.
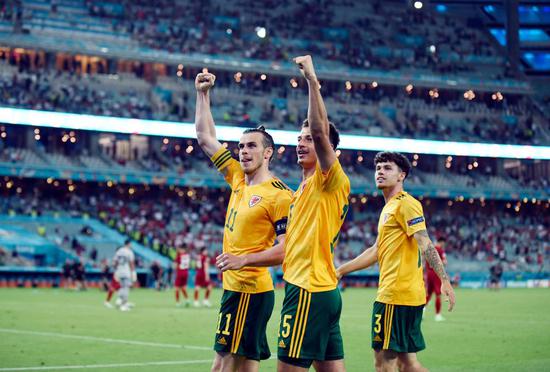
pixel 56 329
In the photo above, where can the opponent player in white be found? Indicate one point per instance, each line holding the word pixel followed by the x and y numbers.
pixel 125 273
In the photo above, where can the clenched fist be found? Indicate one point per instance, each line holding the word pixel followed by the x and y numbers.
pixel 204 81
pixel 305 63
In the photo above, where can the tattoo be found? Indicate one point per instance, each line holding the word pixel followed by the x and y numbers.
pixel 432 257
pixel 423 234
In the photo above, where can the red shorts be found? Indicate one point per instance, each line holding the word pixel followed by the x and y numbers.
pixel 115 285
pixel 181 279
pixel 433 283
pixel 201 280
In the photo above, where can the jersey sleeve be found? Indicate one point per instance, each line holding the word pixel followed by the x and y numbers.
pixel 333 179
pixel 412 216
pixel 224 163
pixel 279 211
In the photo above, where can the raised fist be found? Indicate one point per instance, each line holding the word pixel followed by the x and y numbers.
pixel 204 81
pixel 305 63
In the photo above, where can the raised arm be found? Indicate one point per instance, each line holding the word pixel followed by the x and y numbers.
pixel 317 115
pixel 204 122
pixel 432 257
pixel 270 257
pixel 366 259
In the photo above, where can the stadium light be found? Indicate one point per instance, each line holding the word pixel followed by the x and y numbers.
pixel 418 5
pixel 261 32
pixel 282 137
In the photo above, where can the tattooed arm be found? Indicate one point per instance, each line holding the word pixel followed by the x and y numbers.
pixel 432 257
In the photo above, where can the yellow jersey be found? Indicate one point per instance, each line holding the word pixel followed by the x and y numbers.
pixel 401 277
pixel 255 216
pixel 317 212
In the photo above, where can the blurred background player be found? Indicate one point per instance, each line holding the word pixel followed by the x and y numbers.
pixel 181 267
pixel 256 216
pixel 156 275
pixel 67 274
pixel 79 271
pixel 106 275
pixel 125 273
pixel 202 278
pixel 495 276
pixel 113 287
pixel 433 283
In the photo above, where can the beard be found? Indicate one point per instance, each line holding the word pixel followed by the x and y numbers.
pixel 251 168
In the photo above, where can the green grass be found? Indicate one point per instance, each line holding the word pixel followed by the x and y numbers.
pixel 489 331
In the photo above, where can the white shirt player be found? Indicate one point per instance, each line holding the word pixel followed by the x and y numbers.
pixel 123 257
pixel 185 261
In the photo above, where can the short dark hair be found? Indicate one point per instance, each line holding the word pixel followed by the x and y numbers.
pixel 394 157
pixel 333 134
pixel 127 241
pixel 267 140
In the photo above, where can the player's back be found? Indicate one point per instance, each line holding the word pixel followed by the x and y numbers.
pixel 123 258
pixel 183 261
pixel 201 264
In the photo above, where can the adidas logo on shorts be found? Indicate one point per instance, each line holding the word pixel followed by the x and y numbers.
pixel 377 339
pixel 222 341
pixel 282 344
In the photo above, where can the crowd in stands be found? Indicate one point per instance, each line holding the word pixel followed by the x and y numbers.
pixel 183 158
pixel 385 111
pixel 40 92
pixel 166 220
pixel 376 34
pixel 383 35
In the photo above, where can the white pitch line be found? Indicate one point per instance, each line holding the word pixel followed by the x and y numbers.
pixel 101 339
pixel 117 365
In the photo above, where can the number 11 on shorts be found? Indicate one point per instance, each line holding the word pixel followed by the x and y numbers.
pixel 227 323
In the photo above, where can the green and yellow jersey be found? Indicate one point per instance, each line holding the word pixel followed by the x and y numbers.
pixel 401 277
pixel 317 212
pixel 255 216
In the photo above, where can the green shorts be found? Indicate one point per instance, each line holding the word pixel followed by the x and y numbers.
pixel 397 328
pixel 242 322
pixel 310 328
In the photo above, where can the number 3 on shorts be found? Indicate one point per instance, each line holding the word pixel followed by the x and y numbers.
pixel 377 325
pixel 286 326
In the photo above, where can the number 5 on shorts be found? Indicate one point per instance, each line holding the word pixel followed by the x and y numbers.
pixel 286 326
